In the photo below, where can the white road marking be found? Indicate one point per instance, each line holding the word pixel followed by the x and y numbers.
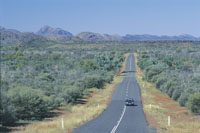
pixel 115 127
pixel 130 63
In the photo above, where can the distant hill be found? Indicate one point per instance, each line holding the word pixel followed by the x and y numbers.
pixel 58 34
pixel 129 37
pixel 90 36
pixel 54 33
pixel 112 37
pixel 12 36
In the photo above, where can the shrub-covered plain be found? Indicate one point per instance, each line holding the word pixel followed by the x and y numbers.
pixel 39 76
pixel 34 82
pixel 175 71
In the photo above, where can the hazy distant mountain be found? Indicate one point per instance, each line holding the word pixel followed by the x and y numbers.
pixel 49 33
pixel 89 36
pixel 13 31
pixel 129 37
pixel 2 28
pixel 14 36
pixel 54 33
pixel 185 37
pixel 112 37
pixel 10 30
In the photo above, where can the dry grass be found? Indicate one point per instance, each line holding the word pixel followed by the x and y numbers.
pixel 182 120
pixel 76 115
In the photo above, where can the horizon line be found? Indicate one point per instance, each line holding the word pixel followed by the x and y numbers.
pixel 106 33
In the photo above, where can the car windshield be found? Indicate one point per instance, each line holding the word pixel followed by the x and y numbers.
pixel 129 100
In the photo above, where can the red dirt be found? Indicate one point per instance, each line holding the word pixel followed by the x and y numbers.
pixel 152 122
pixel 175 111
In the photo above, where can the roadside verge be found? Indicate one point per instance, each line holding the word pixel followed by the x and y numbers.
pixel 158 107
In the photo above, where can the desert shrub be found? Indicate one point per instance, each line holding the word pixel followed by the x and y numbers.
pixel 7 111
pixel 88 65
pixel 29 103
pixel 72 93
pixel 108 76
pixel 176 93
pixel 183 99
pixel 160 81
pixel 52 102
pixel 94 81
pixel 155 78
pixel 152 71
pixel 194 103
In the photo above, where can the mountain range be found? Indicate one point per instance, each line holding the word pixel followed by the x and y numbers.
pixel 49 33
pixel 54 33
pixel 15 36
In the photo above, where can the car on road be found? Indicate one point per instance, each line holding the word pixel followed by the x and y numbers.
pixel 129 102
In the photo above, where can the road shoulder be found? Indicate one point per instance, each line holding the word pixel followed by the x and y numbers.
pixel 158 106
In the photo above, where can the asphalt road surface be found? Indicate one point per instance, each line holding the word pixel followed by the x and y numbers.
pixel 118 118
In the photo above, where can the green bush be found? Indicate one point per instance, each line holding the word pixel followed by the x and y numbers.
pixel 108 77
pixel 88 65
pixel 194 103
pixel 152 71
pixel 7 111
pixel 171 83
pixel 94 81
pixel 72 93
pixel 176 94
pixel 52 102
pixel 29 103
pixel 183 99
pixel 160 82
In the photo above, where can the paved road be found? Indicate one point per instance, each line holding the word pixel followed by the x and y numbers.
pixel 118 118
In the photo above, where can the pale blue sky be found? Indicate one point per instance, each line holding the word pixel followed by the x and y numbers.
pixel 157 17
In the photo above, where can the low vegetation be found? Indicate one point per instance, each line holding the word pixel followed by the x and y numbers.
pixel 39 76
pixel 158 106
pixel 35 83
pixel 75 115
pixel 174 73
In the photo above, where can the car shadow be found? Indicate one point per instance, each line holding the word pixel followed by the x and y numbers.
pixel 128 71
pixel 131 105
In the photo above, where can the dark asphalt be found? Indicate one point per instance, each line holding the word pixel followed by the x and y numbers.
pixel 118 118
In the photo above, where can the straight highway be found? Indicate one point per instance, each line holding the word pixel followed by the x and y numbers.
pixel 118 118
